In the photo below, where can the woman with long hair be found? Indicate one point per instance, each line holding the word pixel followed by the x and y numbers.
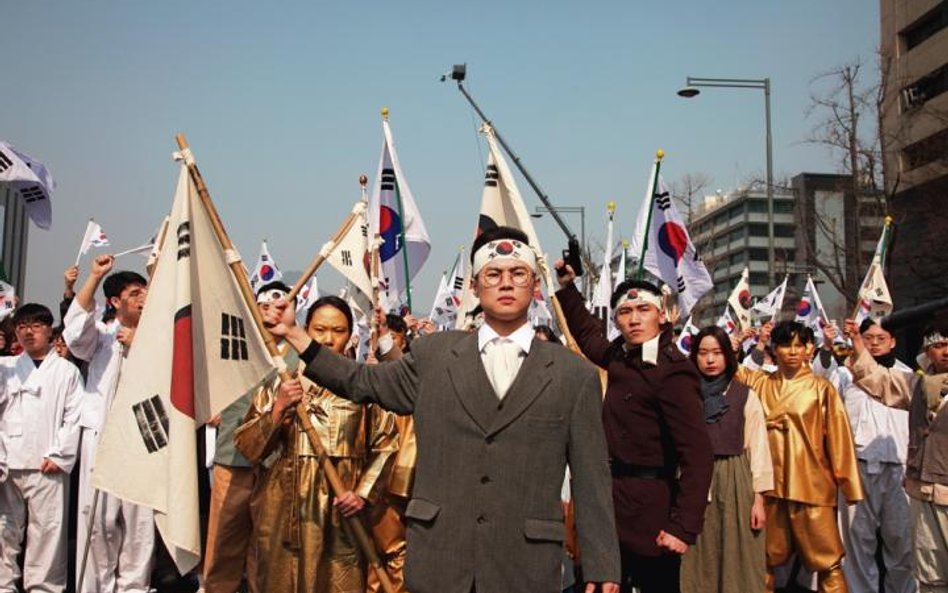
pixel 729 554
pixel 302 543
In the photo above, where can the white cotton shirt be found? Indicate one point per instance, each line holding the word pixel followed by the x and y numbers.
pixel 522 337
pixel 880 433
pixel 41 413
pixel 95 342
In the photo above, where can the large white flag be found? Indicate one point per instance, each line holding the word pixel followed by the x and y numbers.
pixel 670 253
pixel 196 350
pixel 394 217
pixel 444 311
pixel 874 301
pixel 350 256
pixel 29 179
pixel 621 271
pixel 810 310
pixel 501 205
pixel 266 269
pixel 740 301
pixel 770 305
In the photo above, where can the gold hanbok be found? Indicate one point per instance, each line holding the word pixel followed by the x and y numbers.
pixel 302 542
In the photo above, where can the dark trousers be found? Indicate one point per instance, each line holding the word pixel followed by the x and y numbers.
pixel 650 574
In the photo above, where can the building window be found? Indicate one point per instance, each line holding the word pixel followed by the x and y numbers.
pixel 757 206
pixel 925 89
pixel 757 230
pixel 784 230
pixel 925 151
pixel 932 22
pixel 783 207
pixel 758 254
pixel 738 257
pixel 759 278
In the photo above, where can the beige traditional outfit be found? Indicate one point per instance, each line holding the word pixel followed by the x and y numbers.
pixel 813 456
pixel 303 545
pixel 728 555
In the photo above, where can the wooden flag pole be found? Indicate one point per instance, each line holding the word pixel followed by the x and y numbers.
pixel 362 537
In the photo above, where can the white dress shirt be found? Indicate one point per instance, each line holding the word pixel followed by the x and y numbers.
pixel 502 356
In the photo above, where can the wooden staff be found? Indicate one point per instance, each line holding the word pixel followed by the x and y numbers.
pixel 365 543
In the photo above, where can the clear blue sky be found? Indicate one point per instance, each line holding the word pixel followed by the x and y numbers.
pixel 280 102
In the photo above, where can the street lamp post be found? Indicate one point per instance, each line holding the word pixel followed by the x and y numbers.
pixel 691 90
pixel 581 210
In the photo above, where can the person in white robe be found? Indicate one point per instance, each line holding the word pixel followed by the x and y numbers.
pixel 40 395
pixel 122 544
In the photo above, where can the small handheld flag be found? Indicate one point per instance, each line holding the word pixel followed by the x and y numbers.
pixel 93 237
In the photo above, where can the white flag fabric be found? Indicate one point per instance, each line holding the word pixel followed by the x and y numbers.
pixel 350 255
pixel 395 218
pixel 266 269
pixel 444 312
pixel 93 237
pixel 875 302
pixel 362 330
pixel 740 301
pixel 621 271
pixel 305 299
pixel 727 323
pixel 196 350
pixel 686 340
pixel 670 253
pixel 810 310
pixel 29 179
pixel 7 299
pixel 501 205
pixel 603 292
pixel 539 312
pixel 770 305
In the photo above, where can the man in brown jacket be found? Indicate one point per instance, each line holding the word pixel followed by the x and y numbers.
pixel 925 396
pixel 659 448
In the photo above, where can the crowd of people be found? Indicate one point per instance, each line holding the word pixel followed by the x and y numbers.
pixel 497 459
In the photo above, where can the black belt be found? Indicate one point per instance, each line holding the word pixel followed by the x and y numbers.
pixel 628 470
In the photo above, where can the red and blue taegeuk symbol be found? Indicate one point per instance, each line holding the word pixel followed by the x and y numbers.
pixel 266 272
pixel 673 240
pixel 390 228
pixel 505 248
pixel 686 342
pixel 744 298
pixel 804 308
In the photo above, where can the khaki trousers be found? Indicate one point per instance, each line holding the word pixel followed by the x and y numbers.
pixel 229 552
pixel 811 532
pixel 930 533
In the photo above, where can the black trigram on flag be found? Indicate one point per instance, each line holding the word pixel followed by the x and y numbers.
pixel 663 200
pixel 601 312
pixel 152 423
pixel 458 283
pixel 5 161
pixel 184 240
pixel 233 338
pixel 31 194
pixel 682 285
pixel 491 176
pixel 388 179
pixel 346 255
pixel 365 230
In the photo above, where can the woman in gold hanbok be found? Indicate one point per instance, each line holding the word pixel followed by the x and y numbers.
pixel 303 544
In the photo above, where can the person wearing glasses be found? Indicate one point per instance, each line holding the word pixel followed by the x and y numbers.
pixel 39 429
pixel 498 415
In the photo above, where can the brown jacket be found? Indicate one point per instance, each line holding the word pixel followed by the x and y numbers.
pixel 654 418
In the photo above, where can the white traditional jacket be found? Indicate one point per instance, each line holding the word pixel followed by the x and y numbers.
pixel 94 342
pixel 41 412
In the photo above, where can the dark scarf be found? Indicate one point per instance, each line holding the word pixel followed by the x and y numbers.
pixel 886 360
pixel 712 392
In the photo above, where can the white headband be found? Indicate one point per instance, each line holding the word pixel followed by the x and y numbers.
pixel 504 250
pixel 636 296
pixel 932 339
pixel 274 295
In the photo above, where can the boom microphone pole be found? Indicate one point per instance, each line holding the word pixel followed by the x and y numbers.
pixel 573 254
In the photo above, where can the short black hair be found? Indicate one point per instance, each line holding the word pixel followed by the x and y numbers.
pixel 396 323
pixel 784 332
pixel 119 281
pixel 938 326
pixel 31 313
pixel 724 341
pixel 275 285
pixel 330 301
pixel 500 232
pixel 627 285
pixel 869 322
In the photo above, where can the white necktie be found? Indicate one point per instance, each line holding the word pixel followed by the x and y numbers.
pixel 502 361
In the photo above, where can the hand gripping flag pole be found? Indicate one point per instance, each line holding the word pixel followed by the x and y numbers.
pixel 362 537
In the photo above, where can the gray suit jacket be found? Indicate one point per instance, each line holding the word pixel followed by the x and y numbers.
pixel 486 503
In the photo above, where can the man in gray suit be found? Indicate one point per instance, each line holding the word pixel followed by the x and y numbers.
pixel 498 416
